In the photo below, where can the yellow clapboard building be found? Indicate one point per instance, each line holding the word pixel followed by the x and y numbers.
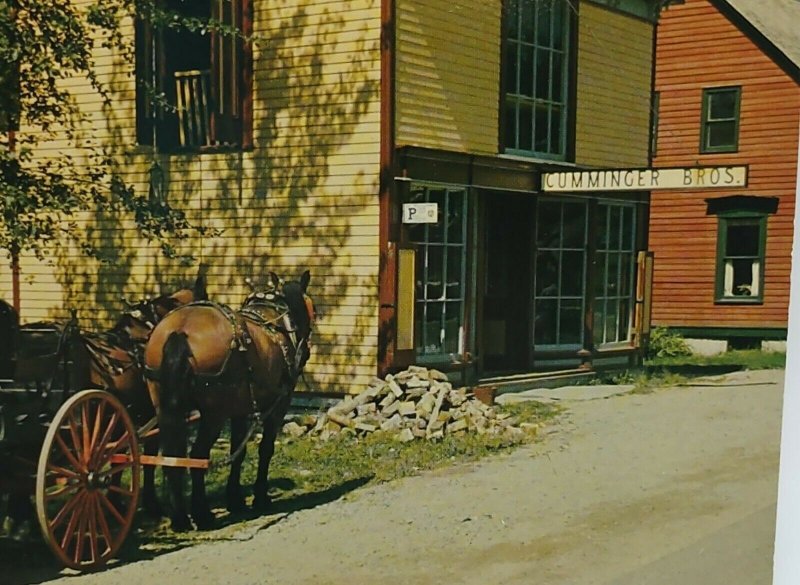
pixel 317 144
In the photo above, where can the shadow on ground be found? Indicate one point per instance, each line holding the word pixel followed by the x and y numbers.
pixel 693 370
pixel 29 562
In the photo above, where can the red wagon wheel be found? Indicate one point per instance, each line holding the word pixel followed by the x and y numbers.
pixel 87 483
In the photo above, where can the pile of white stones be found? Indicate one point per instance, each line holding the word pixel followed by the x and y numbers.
pixel 417 403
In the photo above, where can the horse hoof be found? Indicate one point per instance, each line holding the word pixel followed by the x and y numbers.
pixel 181 523
pixel 262 504
pixel 204 520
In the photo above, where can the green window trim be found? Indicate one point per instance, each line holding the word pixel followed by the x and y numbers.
pixel 719 124
pixel 731 266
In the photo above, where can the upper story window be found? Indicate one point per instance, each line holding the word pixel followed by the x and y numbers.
pixel 535 77
pixel 720 122
pixel 194 82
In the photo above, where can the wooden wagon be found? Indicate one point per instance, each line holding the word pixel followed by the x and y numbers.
pixel 75 450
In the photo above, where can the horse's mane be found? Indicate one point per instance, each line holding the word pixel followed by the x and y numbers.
pixel 293 294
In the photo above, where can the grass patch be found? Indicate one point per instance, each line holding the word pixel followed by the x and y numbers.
pixel 311 465
pixel 747 359
pixel 307 472
pixel 676 370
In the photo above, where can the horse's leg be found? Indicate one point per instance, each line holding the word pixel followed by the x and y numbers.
pixel 210 427
pixel 172 430
pixel 266 450
pixel 233 490
pixel 149 497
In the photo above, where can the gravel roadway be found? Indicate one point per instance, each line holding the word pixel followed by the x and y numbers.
pixel 673 487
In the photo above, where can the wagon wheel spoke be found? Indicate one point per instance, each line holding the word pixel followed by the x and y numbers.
pixel 92 522
pixel 111 507
pixel 98 423
pixel 68 453
pixel 104 528
pixel 67 490
pixel 85 447
pixel 81 536
pixel 121 491
pixel 73 520
pixel 66 509
pixel 117 469
pixel 112 449
pixel 103 442
pixel 63 472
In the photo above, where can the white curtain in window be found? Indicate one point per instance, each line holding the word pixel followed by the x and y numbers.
pixel 754 292
pixel 728 283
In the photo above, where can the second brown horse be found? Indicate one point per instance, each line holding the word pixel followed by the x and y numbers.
pixel 228 365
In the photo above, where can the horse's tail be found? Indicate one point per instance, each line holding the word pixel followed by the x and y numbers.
pixel 176 373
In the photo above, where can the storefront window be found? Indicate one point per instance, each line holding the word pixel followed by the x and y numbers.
pixel 615 272
pixel 559 281
pixel 441 271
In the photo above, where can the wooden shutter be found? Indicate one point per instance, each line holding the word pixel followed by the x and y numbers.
pixel 231 74
pixel 228 62
pixel 145 117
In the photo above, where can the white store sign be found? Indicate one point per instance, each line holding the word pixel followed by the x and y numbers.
pixel 645 179
pixel 420 212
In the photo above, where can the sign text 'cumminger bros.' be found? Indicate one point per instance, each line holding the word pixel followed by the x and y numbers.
pixel 645 179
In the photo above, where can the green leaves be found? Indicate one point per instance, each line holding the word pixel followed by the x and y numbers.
pixel 43 44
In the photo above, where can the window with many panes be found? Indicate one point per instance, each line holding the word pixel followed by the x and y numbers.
pixel 535 77
pixel 614 272
pixel 720 119
pixel 194 81
pixel 741 244
pixel 441 272
pixel 560 276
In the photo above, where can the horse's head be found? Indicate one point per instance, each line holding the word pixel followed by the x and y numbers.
pixel 301 307
pixel 139 318
pixel 166 303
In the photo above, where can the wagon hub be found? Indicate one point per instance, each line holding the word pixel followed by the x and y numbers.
pixel 97 481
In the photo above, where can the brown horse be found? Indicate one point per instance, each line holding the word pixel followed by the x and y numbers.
pixel 116 364
pixel 228 365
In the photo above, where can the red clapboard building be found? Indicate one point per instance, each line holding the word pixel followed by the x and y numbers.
pixel 726 94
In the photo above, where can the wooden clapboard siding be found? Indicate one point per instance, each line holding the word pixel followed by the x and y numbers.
pixel 304 196
pixel 699 47
pixel 613 93
pixel 448 74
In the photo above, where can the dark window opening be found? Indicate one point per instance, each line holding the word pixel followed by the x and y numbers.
pixel 720 123
pixel 194 81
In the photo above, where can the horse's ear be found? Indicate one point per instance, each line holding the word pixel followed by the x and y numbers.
pixel 276 281
pixel 199 291
pixel 304 279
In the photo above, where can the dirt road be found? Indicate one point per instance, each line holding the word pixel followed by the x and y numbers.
pixel 677 486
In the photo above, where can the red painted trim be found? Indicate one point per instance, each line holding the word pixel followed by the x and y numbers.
pixel 387 270
pixel 247 74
